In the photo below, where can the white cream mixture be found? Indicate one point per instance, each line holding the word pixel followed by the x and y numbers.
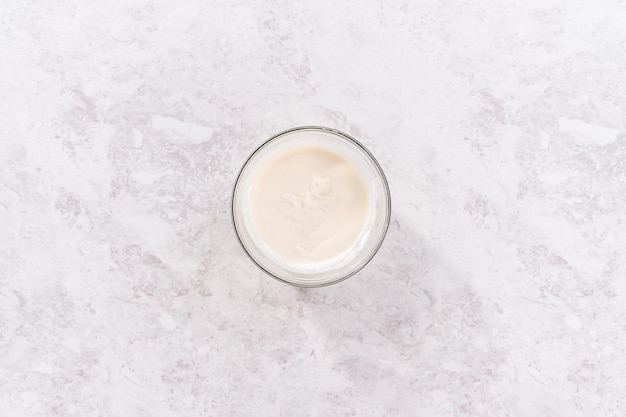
pixel 309 205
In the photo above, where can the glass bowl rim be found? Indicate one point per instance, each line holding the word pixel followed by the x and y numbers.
pixel 378 169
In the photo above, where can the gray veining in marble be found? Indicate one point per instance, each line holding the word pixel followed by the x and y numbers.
pixel 499 291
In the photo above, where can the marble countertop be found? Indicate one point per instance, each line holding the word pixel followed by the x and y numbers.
pixel 500 289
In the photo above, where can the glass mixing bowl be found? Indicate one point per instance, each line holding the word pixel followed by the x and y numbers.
pixel 376 225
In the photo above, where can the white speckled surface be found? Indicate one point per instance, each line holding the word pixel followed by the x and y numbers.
pixel 500 290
